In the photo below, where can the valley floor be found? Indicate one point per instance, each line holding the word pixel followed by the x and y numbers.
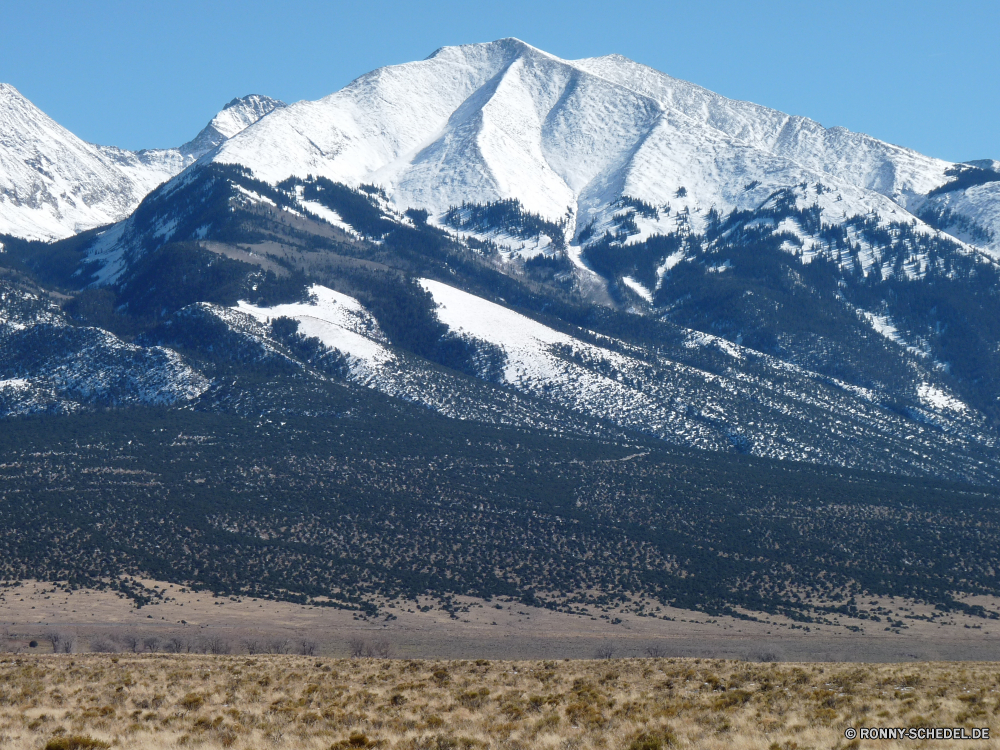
pixel 189 620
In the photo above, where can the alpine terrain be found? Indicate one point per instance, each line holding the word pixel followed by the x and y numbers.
pixel 53 185
pixel 498 323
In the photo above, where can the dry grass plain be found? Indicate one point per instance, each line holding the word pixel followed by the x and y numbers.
pixel 486 675
pixel 154 701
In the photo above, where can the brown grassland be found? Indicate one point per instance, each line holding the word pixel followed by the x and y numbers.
pixel 147 701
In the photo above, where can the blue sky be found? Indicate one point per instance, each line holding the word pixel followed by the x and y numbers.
pixel 921 74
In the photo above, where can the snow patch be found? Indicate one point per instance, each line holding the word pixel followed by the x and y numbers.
pixel 255 197
pixel 885 327
pixel 935 398
pixel 668 263
pixel 329 216
pixel 339 321
pixel 697 339
pixel 638 288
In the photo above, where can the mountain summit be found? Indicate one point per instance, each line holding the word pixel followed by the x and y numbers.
pixel 567 138
pixel 240 113
pixel 499 324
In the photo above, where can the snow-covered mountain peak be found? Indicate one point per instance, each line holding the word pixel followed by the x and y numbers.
pixel 239 114
pixel 503 120
pixel 52 184
pixel 567 139
pixel 11 97
pixel 854 157
pixel 243 112
pixel 503 51
pixel 24 125
pixel 9 94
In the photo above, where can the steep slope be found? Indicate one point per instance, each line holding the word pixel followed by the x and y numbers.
pixel 585 384
pixel 53 185
pixel 587 246
pixel 750 343
pixel 965 206
pixel 855 158
pixel 754 404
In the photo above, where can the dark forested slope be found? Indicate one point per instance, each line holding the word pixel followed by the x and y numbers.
pixel 374 498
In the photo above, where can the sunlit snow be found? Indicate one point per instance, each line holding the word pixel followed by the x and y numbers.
pixel 337 320
pixel 937 399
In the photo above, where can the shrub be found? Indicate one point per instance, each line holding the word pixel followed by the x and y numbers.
pixel 585 715
pixel 653 740
pixel 356 740
pixel 103 645
pixel 75 742
pixel 191 702
pixel 473 698
pixel 605 651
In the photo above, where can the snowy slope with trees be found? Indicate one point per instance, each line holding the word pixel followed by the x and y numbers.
pixel 503 236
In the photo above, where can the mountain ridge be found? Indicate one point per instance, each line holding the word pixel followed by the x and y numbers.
pixel 783 134
pixel 54 185
pixel 765 303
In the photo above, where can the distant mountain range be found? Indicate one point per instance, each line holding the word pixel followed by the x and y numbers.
pixel 807 258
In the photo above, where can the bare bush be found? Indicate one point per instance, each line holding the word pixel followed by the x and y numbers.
pixel 216 644
pixel 151 643
pixel 176 645
pixel 61 641
pixel 605 651
pixel 128 641
pixel 357 646
pixel 655 651
pixel 278 646
pixel 252 646
pixel 360 647
pixel 307 647
pixel 54 637
pixel 101 644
